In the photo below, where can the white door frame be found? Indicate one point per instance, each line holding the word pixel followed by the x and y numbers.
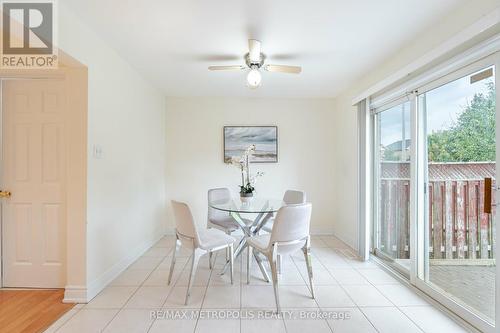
pixel 497 197
pixel 1 182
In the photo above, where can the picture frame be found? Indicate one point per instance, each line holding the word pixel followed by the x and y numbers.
pixel 238 138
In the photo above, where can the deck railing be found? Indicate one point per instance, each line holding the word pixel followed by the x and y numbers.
pixel 458 228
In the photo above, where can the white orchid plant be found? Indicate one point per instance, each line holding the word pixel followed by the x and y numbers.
pixel 248 181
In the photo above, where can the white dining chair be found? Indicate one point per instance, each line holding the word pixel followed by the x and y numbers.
pixel 201 241
pixel 219 219
pixel 291 197
pixel 289 234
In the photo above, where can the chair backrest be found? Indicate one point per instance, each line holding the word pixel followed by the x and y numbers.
pixel 293 197
pixel 292 223
pixel 184 222
pixel 217 194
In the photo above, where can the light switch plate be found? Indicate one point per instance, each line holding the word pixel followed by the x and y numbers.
pixel 97 152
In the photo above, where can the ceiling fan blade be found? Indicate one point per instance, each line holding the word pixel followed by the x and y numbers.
pixel 254 50
pixel 226 68
pixel 283 69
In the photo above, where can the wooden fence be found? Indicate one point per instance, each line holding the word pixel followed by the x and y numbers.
pixel 458 228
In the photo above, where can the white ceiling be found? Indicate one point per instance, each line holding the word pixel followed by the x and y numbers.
pixel 172 42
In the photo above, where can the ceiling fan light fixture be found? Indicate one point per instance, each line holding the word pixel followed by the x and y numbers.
pixel 254 61
pixel 254 78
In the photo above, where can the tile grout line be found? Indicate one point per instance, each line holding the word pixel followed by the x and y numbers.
pixel 204 296
pixel 344 255
pixel 174 284
pixel 307 286
pixel 64 323
pixel 138 287
pixel 170 291
pixel 396 306
pixel 345 291
pixel 119 309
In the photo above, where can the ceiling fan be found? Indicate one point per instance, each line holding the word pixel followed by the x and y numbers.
pixel 254 60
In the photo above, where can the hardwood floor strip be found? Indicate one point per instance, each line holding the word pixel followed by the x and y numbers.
pixel 30 311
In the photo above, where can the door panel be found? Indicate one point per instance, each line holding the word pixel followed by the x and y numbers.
pixel 393 144
pixel 461 171
pixel 33 218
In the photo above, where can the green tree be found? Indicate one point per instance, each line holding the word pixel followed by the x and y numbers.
pixel 472 137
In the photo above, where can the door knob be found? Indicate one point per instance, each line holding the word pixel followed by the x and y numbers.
pixel 5 194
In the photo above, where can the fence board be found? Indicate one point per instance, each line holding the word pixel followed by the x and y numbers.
pixel 460 219
pixel 483 225
pixel 392 225
pixel 458 226
pixel 493 220
pixel 437 220
pixel 448 224
pixel 383 213
pixel 388 217
pixel 430 190
pixel 403 220
pixel 472 215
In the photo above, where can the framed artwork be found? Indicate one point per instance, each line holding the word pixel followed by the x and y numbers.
pixel 238 138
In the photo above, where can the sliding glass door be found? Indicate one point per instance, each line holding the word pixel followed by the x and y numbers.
pixel 434 188
pixel 460 141
pixel 393 147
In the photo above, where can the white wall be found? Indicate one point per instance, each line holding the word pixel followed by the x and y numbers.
pixel 306 151
pixel 125 209
pixel 345 164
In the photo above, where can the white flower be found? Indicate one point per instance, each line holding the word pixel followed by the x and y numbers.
pixel 238 162
pixel 253 180
pixel 250 150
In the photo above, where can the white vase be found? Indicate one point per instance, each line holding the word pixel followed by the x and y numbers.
pixel 247 198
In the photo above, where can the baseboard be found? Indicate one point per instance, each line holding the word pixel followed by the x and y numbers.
pixel 321 231
pixel 75 294
pixel 170 232
pixel 97 285
pixel 349 242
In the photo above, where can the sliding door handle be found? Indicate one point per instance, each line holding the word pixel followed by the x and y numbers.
pixel 487 195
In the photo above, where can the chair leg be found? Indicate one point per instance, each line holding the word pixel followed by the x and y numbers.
pixel 194 264
pixel 249 262
pixel 273 263
pixel 261 266
pixel 210 265
pixel 280 264
pixel 172 263
pixel 307 256
pixel 227 251
pixel 215 259
pixel 231 262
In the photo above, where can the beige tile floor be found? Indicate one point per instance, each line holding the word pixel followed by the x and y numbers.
pixel 354 296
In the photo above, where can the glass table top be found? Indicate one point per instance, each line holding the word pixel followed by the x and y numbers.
pixel 255 205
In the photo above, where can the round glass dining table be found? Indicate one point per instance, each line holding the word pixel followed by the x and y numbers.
pixel 255 205
pixel 263 207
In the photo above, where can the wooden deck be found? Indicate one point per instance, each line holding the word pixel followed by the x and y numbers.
pixel 472 285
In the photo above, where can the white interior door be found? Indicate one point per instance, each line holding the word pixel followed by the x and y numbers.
pixel 33 170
